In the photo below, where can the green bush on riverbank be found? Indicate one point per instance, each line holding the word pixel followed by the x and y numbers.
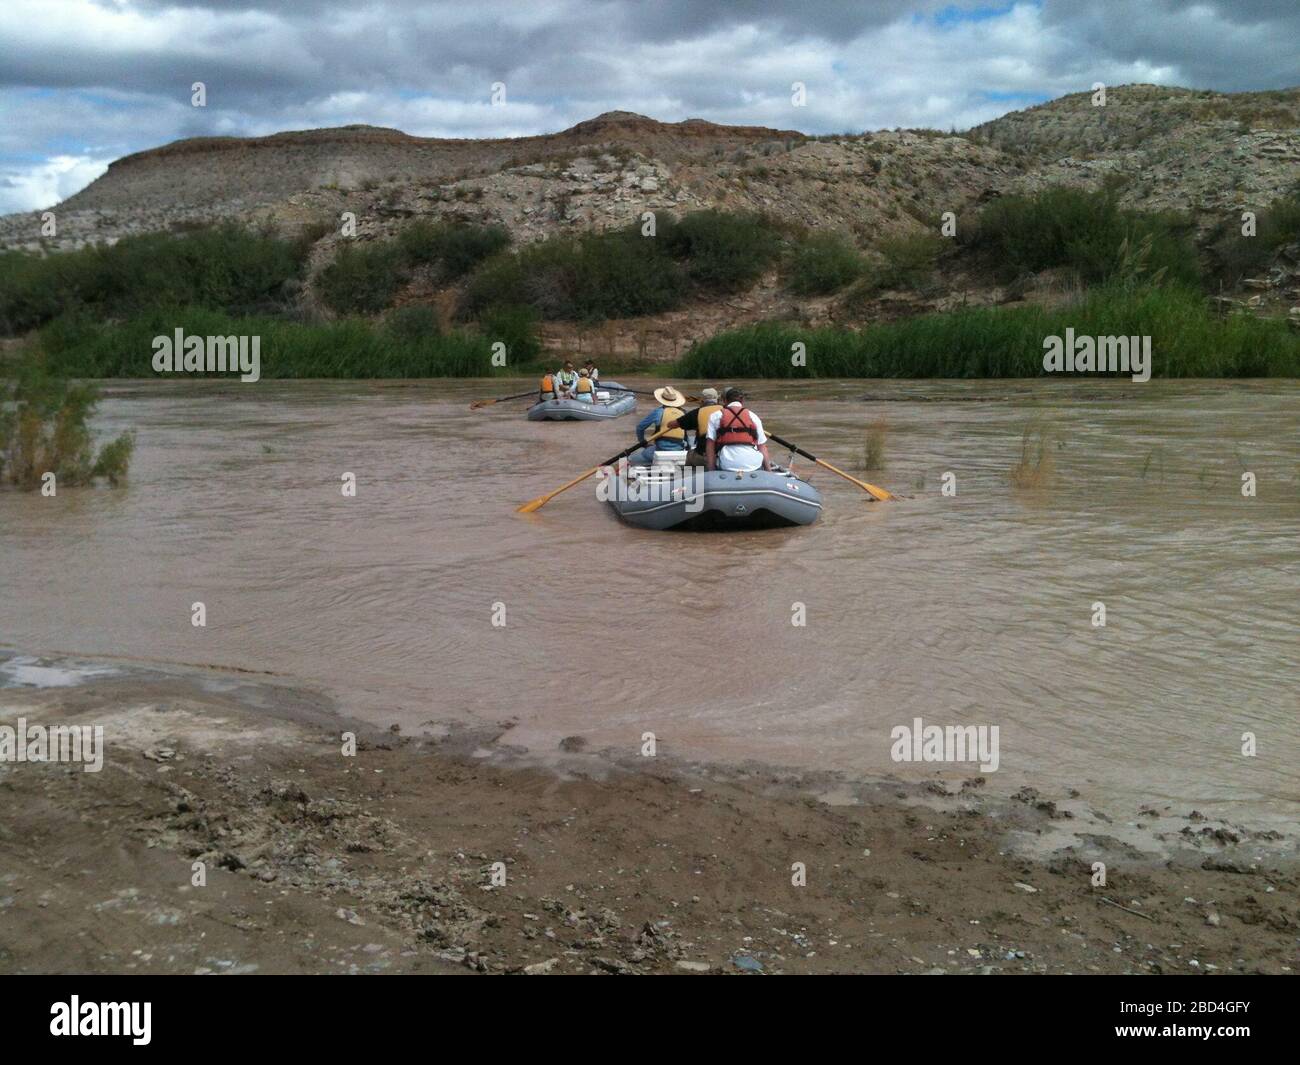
pixel 1089 233
pixel 44 429
pixel 226 268
pixel 1187 341
pixel 78 347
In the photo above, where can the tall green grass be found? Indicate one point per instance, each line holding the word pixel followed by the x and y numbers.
pixel 351 348
pixel 1187 341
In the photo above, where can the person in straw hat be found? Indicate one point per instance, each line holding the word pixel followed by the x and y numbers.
pixel 696 424
pixel 669 410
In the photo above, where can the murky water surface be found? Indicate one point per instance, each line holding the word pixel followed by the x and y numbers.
pixel 975 608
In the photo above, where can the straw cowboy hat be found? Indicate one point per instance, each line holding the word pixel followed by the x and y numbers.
pixel 669 396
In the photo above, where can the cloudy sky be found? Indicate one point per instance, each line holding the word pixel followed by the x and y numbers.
pixel 83 82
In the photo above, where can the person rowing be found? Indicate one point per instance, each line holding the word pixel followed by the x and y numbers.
pixel 696 422
pixel 668 412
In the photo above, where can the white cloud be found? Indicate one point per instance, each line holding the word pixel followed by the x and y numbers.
pixel 38 185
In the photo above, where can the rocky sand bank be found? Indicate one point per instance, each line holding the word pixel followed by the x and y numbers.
pixel 392 859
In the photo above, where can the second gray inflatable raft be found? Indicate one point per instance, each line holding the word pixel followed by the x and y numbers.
pixel 570 410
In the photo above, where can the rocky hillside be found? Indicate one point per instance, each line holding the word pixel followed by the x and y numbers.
pixel 1184 150
pixel 1202 153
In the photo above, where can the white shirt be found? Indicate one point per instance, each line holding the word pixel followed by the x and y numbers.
pixel 741 457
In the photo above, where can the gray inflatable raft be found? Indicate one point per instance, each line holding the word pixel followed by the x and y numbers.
pixel 691 498
pixel 570 410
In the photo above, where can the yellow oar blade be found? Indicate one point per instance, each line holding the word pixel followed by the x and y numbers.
pixel 541 501
pixel 870 489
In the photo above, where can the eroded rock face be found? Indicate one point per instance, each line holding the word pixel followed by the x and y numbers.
pixel 1201 152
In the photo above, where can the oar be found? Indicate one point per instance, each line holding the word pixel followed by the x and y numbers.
pixel 488 402
pixel 878 493
pixel 620 388
pixel 541 501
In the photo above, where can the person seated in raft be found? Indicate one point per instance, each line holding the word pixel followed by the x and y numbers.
pixel 696 422
pixel 735 439
pixel 592 372
pixel 566 382
pixel 583 393
pixel 669 410
pixel 546 390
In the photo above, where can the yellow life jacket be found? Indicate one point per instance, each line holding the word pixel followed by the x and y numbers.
pixel 584 384
pixel 702 422
pixel 548 384
pixel 670 414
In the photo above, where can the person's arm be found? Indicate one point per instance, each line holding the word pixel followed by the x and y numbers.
pixel 650 419
pixel 711 441
pixel 760 442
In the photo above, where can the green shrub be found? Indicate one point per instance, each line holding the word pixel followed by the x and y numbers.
pixel 454 247
pixel 225 267
pixel 616 274
pixel 723 251
pixel 44 429
pixel 362 279
pixel 515 326
pixel 1236 256
pixel 1087 232
pixel 909 260
pixel 823 263
pixel 413 323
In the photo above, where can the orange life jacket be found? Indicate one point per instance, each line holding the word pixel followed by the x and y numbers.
pixel 736 427
pixel 548 384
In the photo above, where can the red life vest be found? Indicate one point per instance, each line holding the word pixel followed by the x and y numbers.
pixel 736 427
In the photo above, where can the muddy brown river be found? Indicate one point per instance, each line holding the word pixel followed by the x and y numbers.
pixel 973 608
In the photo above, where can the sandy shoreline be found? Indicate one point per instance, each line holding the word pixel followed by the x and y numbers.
pixel 384 861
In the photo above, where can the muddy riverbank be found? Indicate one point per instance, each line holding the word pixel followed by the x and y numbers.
pixel 387 860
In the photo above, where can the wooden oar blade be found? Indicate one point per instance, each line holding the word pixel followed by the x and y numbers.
pixel 871 489
pixel 541 501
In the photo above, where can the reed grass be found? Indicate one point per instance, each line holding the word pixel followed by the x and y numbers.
pixel 1036 467
pixel 1188 340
